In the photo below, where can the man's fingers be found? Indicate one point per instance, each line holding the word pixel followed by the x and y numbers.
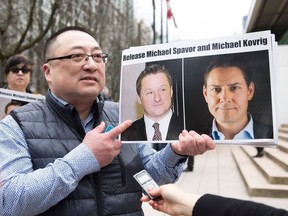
pixel 210 144
pixel 145 198
pixel 100 127
pixel 113 133
pixel 155 192
pixel 200 142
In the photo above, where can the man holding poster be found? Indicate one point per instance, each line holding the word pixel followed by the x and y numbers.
pixel 58 159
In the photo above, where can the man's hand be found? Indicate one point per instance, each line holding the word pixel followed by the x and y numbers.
pixel 103 145
pixel 192 143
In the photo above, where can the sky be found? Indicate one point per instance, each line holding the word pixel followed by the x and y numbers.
pixel 197 19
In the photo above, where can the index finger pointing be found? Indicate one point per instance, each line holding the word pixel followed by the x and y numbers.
pixel 113 133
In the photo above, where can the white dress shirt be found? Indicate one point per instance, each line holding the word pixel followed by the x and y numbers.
pixel 163 126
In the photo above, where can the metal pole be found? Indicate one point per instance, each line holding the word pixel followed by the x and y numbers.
pixel 153 25
pixel 161 21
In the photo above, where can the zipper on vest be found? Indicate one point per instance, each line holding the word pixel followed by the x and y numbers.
pixel 98 183
pixel 123 173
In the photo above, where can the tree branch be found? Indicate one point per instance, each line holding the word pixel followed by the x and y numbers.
pixel 55 6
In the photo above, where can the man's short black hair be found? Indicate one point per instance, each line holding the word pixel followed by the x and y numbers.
pixel 152 69
pixel 226 61
pixel 53 37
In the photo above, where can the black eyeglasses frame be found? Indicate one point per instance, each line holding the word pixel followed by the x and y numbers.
pixel 103 56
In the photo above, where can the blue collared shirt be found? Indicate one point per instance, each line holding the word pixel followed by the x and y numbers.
pixel 246 133
pixel 88 123
pixel 26 191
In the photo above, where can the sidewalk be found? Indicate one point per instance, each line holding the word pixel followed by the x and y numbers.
pixel 216 172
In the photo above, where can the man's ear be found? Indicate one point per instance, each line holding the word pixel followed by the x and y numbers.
pixel 204 91
pixel 171 92
pixel 251 90
pixel 139 99
pixel 47 72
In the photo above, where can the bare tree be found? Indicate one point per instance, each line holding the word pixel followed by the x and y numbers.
pixel 21 27
pixel 25 24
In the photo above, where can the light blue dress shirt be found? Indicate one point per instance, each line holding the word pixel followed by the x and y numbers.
pixel 26 191
pixel 246 133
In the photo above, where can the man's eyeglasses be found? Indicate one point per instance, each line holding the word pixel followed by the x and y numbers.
pixel 16 69
pixel 81 57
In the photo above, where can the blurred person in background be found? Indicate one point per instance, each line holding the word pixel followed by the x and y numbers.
pixel 106 94
pixel 11 106
pixel 18 71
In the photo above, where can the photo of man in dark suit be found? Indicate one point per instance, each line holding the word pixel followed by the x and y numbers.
pixel 227 89
pixel 154 93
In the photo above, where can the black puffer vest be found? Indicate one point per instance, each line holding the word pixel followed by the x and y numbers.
pixel 52 130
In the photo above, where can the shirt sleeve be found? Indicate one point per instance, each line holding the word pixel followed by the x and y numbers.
pixel 164 166
pixel 29 192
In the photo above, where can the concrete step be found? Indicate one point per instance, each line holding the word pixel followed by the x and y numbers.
pixel 283 145
pixel 274 173
pixel 283 129
pixel 283 136
pixel 278 156
pixel 257 184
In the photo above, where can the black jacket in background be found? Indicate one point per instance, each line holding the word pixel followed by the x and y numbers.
pixel 211 205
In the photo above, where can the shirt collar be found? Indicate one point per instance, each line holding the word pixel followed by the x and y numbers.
pixel 88 121
pixel 246 133
pixel 164 124
pixel 63 102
